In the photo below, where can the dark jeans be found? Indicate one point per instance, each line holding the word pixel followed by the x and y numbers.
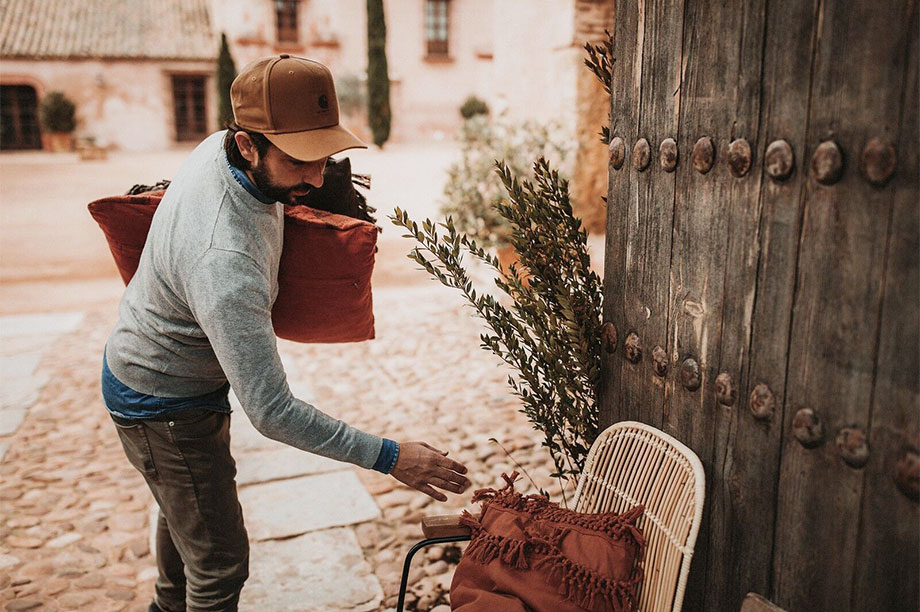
pixel 202 544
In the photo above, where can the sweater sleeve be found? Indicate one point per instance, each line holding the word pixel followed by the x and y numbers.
pixel 229 296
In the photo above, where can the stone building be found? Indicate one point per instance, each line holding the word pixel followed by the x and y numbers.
pixel 141 72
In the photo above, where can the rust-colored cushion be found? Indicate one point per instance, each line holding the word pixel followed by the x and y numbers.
pixel 529 555
pixel 324 276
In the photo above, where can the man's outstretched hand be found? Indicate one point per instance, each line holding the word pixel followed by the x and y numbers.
pixel 424 467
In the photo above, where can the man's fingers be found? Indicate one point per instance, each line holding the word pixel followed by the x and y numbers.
pixel 423 467
pixel 447 485
pixel 438 451
pixel 454 478
pixel 452 465
pixel 430 492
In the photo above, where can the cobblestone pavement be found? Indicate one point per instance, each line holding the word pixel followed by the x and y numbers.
pixel 75 516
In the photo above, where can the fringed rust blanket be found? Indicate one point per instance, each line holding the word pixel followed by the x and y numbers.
pixel 529 555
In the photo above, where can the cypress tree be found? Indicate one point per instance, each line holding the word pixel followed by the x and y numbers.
pixel 378 79
pixel 226 72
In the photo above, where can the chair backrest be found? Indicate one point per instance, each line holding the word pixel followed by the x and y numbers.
pixel 633 464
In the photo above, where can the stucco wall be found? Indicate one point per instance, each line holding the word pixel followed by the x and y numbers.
pixel 518 55
pixel 536 60
pixel 124 104
pixel 427 93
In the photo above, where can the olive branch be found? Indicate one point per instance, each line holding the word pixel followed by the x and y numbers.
pixel 600 62
pixel 551 333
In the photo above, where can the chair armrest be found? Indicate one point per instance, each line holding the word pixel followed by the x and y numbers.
pixel 444 526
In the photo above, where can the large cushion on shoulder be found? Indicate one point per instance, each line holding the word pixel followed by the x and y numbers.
pixel 324 276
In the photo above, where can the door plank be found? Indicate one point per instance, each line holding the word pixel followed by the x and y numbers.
pixel 732 568
pixel 887 565
pixel 624 113
pixel 650 212
pixel 759 289
pixel 859 56
pixel 719 100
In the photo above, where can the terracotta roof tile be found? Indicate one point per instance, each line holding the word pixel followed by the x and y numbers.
pixel 144 29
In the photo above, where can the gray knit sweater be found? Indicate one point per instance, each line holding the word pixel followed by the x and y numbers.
pixel 198 311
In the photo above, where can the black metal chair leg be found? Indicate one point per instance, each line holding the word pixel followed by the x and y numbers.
pixel 403 583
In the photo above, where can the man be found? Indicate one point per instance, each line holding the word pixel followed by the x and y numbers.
pixel 196 320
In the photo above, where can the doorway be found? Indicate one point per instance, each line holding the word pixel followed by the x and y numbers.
pixel 19 118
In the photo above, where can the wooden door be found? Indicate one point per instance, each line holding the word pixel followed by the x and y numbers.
pixel 189 107
pixel 19 118
pixel 762 275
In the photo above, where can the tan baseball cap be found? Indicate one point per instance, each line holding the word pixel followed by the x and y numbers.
pixel 292 101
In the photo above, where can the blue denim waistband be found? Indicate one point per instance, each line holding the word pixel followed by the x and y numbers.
pixel 123 401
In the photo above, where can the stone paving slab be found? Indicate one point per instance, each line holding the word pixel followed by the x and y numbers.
pixel 19 385
pixel 257 466
pixel 20 364
pixel 20 393
pixel 39 324
pixel 10 420
pixel 25 338
pixel 295 506
pixel 322 571
pixel 244 437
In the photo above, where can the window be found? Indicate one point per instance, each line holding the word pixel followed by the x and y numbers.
pixel 19 118
pixel 286 20
pixel 436 27
pixel 189 107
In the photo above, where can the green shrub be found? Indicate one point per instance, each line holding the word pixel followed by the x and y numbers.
pixel 57 113
pixel 473 189
pixel 473 106
pixel 351 92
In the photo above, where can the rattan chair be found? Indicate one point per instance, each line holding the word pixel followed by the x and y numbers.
pixel 629 464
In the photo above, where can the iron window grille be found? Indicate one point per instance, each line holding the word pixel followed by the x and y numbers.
pixel 436 27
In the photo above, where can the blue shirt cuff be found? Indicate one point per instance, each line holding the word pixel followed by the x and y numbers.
pixel 386 460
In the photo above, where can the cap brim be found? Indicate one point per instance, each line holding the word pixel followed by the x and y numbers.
pixel 316 144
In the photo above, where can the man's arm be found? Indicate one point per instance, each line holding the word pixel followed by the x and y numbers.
pixel 229 296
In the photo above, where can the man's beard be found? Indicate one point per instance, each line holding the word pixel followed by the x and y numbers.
pixel 276 192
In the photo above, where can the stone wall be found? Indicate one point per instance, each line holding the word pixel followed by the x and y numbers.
pixel 589 179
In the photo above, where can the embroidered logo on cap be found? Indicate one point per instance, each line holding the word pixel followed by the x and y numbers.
pixel 323 102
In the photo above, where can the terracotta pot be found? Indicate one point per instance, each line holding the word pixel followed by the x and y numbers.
pixel 508 255
pixel 57 142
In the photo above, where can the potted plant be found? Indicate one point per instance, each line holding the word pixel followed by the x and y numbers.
pixel 57 117
pixel 473 106
pixel 351 90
